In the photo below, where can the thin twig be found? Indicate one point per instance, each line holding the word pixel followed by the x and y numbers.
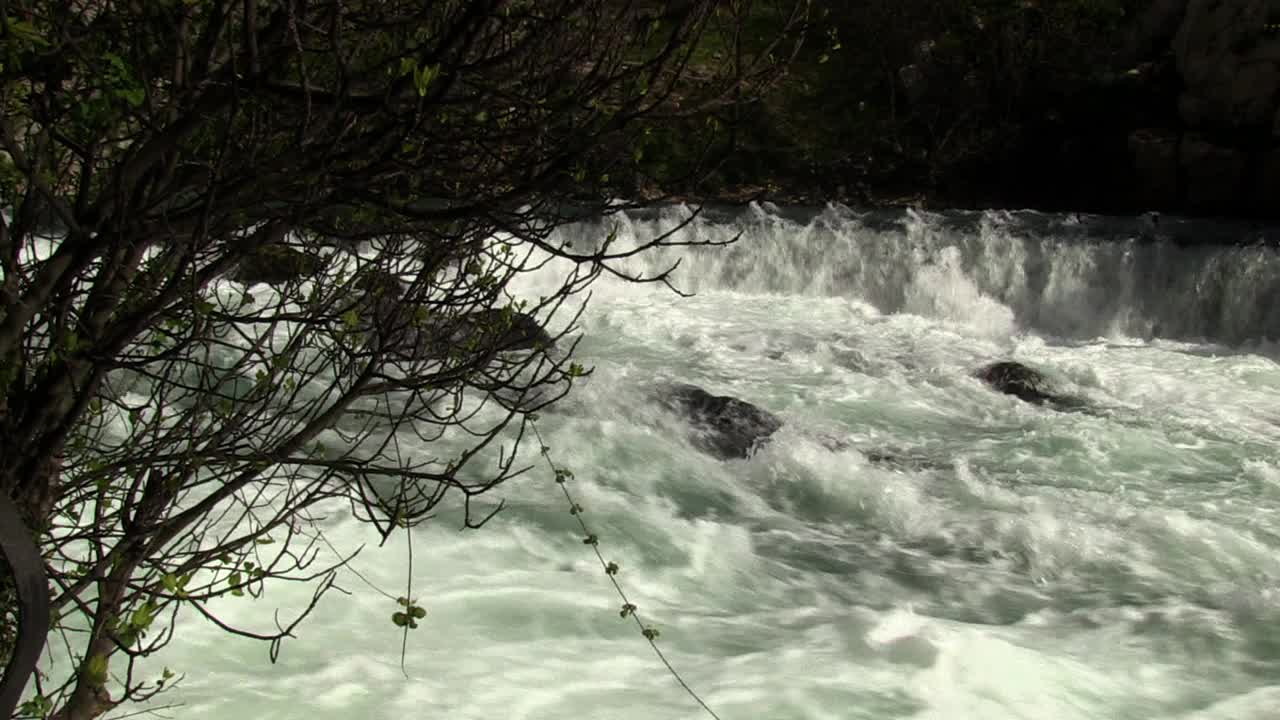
pixel 629 608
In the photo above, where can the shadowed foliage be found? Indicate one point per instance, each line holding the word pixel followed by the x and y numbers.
pixel 249 248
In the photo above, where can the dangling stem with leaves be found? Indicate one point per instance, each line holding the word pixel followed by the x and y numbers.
pixel 629 609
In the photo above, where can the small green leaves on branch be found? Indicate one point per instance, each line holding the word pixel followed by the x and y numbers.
pixel 96 670
pixel 175 584
pixel 234 581
pixel 610 568
pixel 409 617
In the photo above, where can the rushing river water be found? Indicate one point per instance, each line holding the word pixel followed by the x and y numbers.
pixel 1010 561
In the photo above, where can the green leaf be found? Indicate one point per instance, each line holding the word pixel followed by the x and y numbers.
pixel 115 61
pixel 38 706
pixel 400 619
pixel 170 582
pixel 96 669
pixel 403 601
pixel 423 77
pixel 26 32
pixel 418 612
pixel 142 618
pixel 133 96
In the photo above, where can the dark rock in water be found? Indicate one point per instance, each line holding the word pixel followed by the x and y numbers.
pixel 1027 384
pixel 904 460
pixel 724 426
pixel 414 333
pixel 275 265
pixel 1012 378
pixel 518 331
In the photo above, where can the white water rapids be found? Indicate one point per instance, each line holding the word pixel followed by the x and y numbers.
pixel 1010 562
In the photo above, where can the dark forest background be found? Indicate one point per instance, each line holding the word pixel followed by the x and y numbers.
pixel 1111 106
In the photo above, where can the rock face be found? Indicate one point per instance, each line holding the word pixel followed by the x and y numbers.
pixel 1215 175
pixel 1013 378
pixel 724 427
pixel 1155 163
pixel 1229 60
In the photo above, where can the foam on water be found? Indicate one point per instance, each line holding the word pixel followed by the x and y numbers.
pixel 1006 561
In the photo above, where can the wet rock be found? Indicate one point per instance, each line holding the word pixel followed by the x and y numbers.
pixel 1155 27
pixel 1214 175
pixel 275 265
pixel 724 427
pixel 1268 187
pixel 1155 163
pixel 904 461
pixel 1024 383
pixel 414 333
pixel 507 330
pixel 1230 65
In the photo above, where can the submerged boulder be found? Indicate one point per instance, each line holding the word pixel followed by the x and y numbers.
pixel 1027 384
pixel 724 427
pixel 415 335
pixel 275 264
pixel 415 332
pixel 1014 378
pixel 507 330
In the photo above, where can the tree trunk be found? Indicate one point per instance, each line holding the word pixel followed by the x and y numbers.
pixel 32 590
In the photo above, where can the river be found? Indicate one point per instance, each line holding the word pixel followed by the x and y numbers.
pixel 1007 561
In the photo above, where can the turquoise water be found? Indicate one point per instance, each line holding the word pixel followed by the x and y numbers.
pixel 1010 561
